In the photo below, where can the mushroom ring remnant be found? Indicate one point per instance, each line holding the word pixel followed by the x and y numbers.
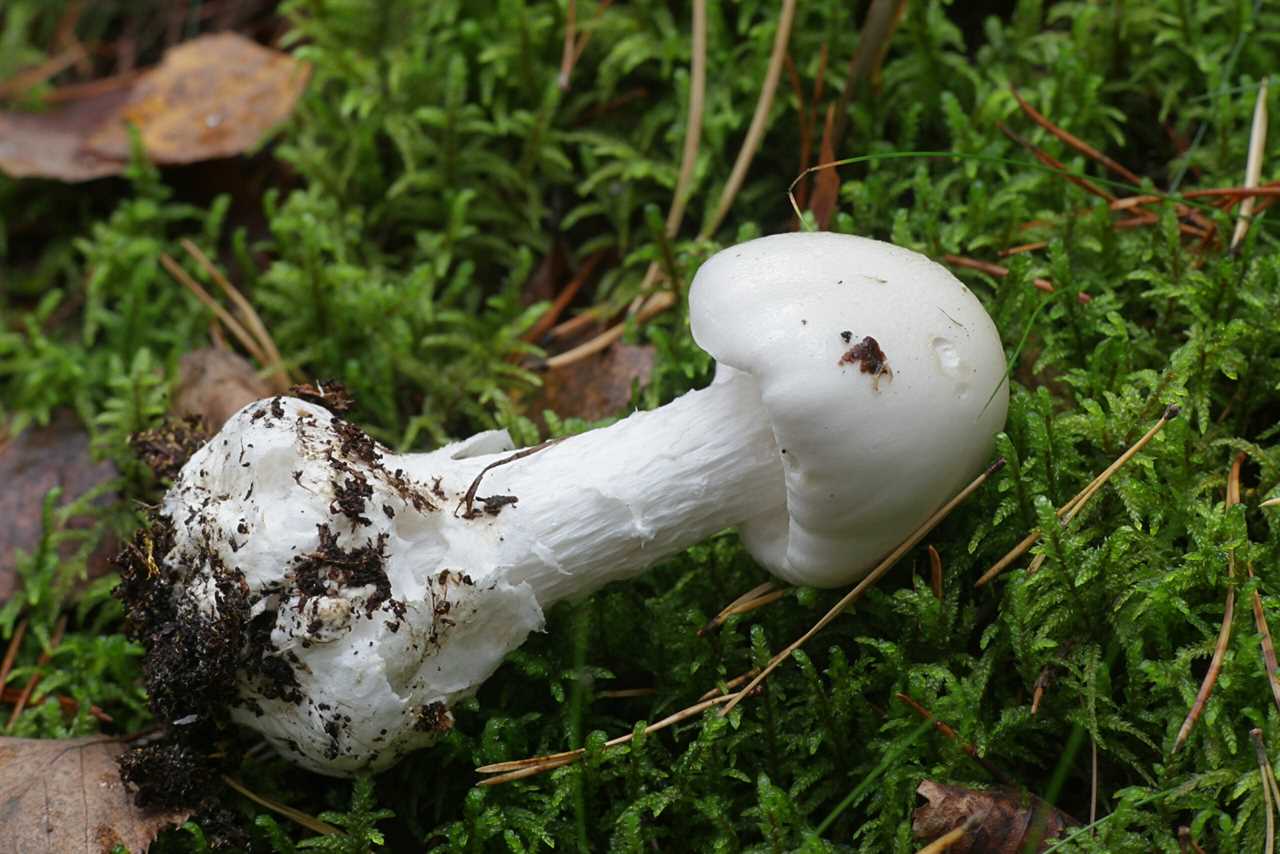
pixel 350 595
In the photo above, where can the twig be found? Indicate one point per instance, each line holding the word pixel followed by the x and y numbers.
pixel 1268 780
pixel 1253 164
pixel 566 295
pixel 993 270
pixel 1224 634
pixel 11 654
pixel 1034 246
pixel 755 132
pixel 505 772
pixel 869 581
pixel 92 88
pixel 311 823
pixel 567 54
pixel 1259 615
pixel 935 572
pixel 248 316
pixel 1068 510
pixel 1148 219
pixel 1240 192
pixel 626 693
pixel 655 304
pixel 1268 646
pixel 27 79
pixel 693 129
pixel 1093 785
pixel 1211 676
pixel 943 727
pixel 575 323
pixel 877 32
pixel 59 628
pixel 468 500
pixel 586 35
pixel 724 690
pixel 246 340
pixel 757 597
pixel 1057 165
pixel 1042 684
pixel 1075 142
pixel 663 300
pixel 68 704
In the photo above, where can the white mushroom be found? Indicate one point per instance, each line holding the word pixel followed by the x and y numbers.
pixel 859 385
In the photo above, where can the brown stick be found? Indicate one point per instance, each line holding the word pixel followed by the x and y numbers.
pixel 59 628
pixel 521 768
pixel 996 270
pixel 11 654
pixel 720 691
pixel 1075 142
pixel 1253 164
pixel 1057 165
pixel 655 304
pixel 1211 677
pixel 745 605
pixel 27 79
pixel 247 315
pixel 1242 192
pixel 567 54
pixel 877 32
pixel 1067 511
pixel 755 132
pixel 566 295
pixel 246 340
pixel 68 704
pixel 1224 634
pixel 311 823
pixel 946 729
pixel 1267 778
pixel 468 500
pixel 935 572
pixel 1034 246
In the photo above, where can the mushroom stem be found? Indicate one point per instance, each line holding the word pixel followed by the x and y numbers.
pixel 607 504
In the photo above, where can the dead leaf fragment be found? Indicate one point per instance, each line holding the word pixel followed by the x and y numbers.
pixel 66 796
pixel 215 384
pixel 32 464
pixel 214 96
pixel 1008 820
pixel 595 387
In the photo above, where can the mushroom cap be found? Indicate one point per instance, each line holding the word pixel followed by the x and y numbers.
pixel 883 378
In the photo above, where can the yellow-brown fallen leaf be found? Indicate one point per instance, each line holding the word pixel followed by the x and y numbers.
pixel 67 796
pixel 214 96
pixel 595 387
pixel 1005 821
pixel 214 384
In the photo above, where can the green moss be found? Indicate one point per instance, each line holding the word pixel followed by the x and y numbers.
pixel 435 161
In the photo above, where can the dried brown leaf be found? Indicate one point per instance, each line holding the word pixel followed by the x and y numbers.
pixel 1008 821
pixel 67 796
pixel 32 464
pixel 214 96
pixel 214 384
pixel 826 184
pixel 597 386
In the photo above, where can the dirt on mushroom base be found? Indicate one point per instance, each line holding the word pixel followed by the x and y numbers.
pixel 189 668
pixel 196 659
